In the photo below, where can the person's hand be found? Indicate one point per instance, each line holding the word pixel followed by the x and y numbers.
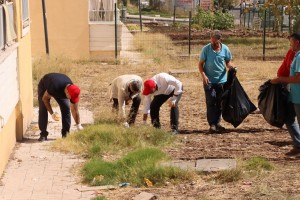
pixel 126 124
pixel 205 79
pixel 127 101
pixel 79 127
pixel 172 101
pixel 55 116
pixel 275 81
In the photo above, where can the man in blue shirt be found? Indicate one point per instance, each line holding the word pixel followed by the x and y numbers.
pixel 294 96
pixel 214 59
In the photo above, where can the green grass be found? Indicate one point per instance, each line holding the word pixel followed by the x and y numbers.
pixel 94 140
pixel 227 176
pixel 99 198
pixel 133 168
pixel 258 164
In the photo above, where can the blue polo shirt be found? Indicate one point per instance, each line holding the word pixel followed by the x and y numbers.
pixel 214 66
pixel 295 87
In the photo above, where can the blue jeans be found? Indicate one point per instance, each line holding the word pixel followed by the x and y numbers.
pixel 291 123
pixel 213 96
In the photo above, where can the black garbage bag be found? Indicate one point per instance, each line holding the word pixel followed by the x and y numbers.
pixel 236 105
pixel 273 103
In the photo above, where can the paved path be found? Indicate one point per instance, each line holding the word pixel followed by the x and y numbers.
pixel 36 173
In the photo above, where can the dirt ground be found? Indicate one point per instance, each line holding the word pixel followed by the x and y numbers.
pixel 254 137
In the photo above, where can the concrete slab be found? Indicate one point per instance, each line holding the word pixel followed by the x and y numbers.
pixel 144 196
pixel 215 164
pixel 182 164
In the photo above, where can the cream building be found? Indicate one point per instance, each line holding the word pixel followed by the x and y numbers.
pixel 16 99
pixel 76 29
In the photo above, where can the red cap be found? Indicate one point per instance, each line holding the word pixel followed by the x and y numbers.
pixel 149 85
pixel 74 92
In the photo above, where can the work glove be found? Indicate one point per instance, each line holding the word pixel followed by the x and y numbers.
pixel 172 101
pixel 79 127
pixel 55 116
pixel 126 124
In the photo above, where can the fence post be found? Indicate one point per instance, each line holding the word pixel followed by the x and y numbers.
pixel 190 23
pixel 264 39
pixel 45 27
pixel 249 16
pixel 116 33
pixel 174 16
pixel 140 13
pixel 290 30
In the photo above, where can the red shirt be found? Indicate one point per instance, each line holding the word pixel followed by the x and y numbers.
pixel 284 69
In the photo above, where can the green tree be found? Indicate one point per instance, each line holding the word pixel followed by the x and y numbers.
pixel 291 8
pixel 225 4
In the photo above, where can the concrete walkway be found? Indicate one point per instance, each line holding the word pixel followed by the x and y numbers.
pixel 36 173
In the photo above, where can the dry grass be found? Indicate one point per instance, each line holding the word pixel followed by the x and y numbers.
pixel 94 77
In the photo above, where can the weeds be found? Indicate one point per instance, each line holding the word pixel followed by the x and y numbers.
pixel 132 168
pixel 109 138
pixel 258 164
pixel 232 175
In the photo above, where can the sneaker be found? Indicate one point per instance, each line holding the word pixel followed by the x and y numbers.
pixel 293 152
pixel 174 132
pixel 213 129
pixel 42 138
pixel 220 128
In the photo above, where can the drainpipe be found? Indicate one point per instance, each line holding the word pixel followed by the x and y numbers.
pixel 45 27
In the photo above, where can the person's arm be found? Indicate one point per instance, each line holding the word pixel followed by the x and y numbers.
pixel 75 112
pixel 46 99
pixel 229 64
pixel 171 80
pixel 76 116
pixel 147 102
pixel 121 101
pixel 289 79
pixel 202 73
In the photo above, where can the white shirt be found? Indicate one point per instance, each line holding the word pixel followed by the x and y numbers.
pixel 165 85
pixel 119 90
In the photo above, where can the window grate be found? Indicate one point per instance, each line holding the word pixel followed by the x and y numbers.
pixel 2 39
pixel 25 13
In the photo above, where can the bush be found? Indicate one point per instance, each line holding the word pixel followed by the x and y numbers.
pixel 213 20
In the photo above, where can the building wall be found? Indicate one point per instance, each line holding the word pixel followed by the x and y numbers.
pixel 21 116
pixel 68 28
pixel 7 141
pixel 102 43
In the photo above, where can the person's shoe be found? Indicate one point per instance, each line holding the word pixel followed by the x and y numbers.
pixel 213 129
pixel 293 152
pixel 220 128
pixel 42 138
pixel 174 132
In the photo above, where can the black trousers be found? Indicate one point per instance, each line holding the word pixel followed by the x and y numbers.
pixel 64 105
pixel 136 101
pixel 155 105
pixel 213 96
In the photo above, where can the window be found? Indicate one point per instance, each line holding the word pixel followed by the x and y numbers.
pixel 101 11
pixel 25 17
pixel 7 26
pixel 1 28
